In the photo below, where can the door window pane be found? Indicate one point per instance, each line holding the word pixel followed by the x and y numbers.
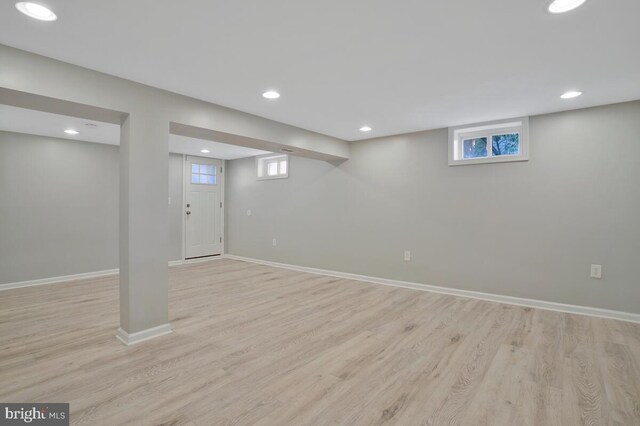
pixel 283 167
pixel 207 169
pixel 203 174
pixel 474 148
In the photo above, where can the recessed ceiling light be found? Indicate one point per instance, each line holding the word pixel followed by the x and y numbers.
pixel 271 94
pixel 572 94
pixel 365 129
pixel 36 11
pixel 205 151
pixel 562 6
pixel 71 132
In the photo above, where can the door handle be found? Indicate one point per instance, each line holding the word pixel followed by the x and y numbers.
pixel 188 212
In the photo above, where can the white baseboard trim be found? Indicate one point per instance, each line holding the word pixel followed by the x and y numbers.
pixel 141 336
pixel 519 301
pixel 96 274
pixel 54 280
pixel 197 260
pixel 204 259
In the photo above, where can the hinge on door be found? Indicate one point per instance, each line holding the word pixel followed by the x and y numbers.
pixel 220 204
pixel 220 170
pixel 220 239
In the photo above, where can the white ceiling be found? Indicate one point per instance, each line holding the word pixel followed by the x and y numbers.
pixel 32 122
pixel 223 151
pixel 398 66
pixel 21 120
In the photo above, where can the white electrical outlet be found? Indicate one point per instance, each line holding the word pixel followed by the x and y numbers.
pixel 407 256
pixel 596 271
pixel 274 242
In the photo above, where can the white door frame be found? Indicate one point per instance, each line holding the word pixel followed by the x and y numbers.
pixel 186 178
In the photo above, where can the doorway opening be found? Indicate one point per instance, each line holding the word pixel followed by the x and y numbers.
pixel 203 187
pixel 197 195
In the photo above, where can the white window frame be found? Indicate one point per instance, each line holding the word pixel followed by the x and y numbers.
pixel 263 160
pixel 489 129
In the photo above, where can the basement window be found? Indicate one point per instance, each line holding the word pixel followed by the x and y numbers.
pixel 272 166
pixel 490 142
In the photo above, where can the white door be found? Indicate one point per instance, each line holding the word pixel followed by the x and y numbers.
pixel 203 207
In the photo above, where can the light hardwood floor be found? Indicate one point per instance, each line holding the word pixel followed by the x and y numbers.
pixel 259 345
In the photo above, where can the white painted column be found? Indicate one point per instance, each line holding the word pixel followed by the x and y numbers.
pixel 144 157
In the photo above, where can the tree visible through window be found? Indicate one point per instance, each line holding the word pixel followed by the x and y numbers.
pixel 475 148
pixel 508 144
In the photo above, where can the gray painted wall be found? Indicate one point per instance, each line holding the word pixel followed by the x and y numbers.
pixel 59 207
pixel 528 229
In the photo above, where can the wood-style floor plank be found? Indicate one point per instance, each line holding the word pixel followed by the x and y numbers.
pixel 259 345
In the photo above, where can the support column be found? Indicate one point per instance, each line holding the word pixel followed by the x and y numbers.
pixel 144 157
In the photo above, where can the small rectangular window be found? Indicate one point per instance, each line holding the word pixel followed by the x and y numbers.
pixel 475 148
pixel 492 142
pixel 203 174
pixel 272 166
